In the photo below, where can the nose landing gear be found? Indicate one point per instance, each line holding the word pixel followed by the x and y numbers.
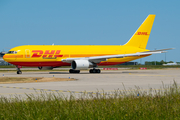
pixel 18 70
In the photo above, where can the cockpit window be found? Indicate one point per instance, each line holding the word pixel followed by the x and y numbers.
pixel 12 52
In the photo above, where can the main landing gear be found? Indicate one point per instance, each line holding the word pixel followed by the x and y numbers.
pixel 74 71
pixel 90 71
pixel 19 71
pixel 94 70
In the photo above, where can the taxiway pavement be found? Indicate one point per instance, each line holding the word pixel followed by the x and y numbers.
pixel 107 81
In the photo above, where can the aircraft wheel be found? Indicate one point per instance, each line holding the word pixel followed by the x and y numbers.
pixel 19 72
pixel 40 68
pixel 74 71
pixel 90 71
pixel 94 71
pixel 70 71
pixel 77 71
pixel 98 71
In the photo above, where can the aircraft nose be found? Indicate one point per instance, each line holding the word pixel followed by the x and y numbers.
pixel 5 57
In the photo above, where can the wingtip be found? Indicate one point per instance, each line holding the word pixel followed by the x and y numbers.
pixel 170 48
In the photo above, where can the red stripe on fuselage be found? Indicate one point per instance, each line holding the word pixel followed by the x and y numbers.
pixel 34 64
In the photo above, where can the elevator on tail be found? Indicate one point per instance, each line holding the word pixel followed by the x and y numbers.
pixel 81 57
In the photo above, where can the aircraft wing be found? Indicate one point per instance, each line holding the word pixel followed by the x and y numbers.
pixel 98 59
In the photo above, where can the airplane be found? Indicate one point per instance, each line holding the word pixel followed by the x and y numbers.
pixel 170 64
pixel 81 57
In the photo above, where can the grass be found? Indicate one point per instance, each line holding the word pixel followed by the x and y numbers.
pixel 163 104
pixel 7 66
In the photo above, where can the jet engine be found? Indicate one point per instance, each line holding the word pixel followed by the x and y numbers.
pixel 81 64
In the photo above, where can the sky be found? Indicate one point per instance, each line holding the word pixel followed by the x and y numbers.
pixel 90 22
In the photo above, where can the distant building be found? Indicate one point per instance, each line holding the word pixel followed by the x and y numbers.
pixel 130 63
pixel 2 54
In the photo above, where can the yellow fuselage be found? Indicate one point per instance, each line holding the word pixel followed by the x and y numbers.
pixel 51 55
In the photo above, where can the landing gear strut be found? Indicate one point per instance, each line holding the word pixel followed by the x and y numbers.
pixel 19 71
pixel 94 70
pixel 74 71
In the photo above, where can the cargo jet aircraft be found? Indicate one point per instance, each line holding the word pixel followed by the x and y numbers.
pixel 81 57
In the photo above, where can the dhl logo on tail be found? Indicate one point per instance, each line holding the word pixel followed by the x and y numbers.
pixel 142 33
pixel 47 53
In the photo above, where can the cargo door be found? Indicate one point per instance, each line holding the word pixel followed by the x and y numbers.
pixel 27 53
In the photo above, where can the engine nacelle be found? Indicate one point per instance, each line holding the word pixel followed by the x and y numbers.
pixel 81 64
